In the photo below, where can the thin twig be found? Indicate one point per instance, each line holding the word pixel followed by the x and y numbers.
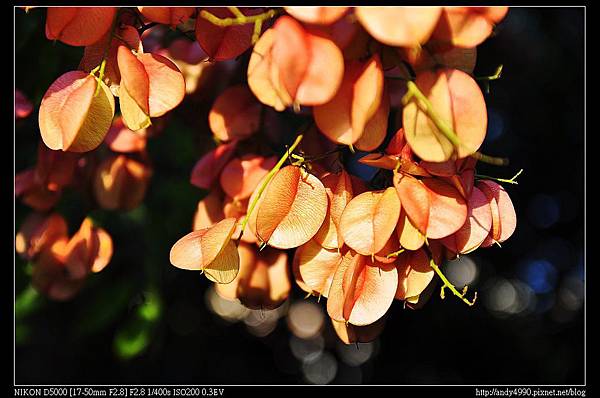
pixel 268 178
pixel 450 286
pixel 508 181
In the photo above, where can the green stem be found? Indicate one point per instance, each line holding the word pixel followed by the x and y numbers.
pixel 309 159
pixel 450 286
pixel 495 76
pixel 447 131
pixel 508 181
pixel 100 76
pixel 93 71
pixel 490 159
pixel 236 11
pixel 268 178
pixel 427 106
pixel 299 159
pixel 240 18
pixel 256 31
pixel 395 254
pixel 105 53
pixel 27 302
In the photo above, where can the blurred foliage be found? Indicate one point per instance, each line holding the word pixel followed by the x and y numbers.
pixel 134 337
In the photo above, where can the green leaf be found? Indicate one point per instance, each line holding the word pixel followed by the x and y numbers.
pixel 27 302
pixel 107 304
pixel 151 309
pixel 132 340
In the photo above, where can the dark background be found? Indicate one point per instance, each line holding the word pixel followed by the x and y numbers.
pixel 144 321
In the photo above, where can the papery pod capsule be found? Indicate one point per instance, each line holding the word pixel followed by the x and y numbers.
pixel 121 182
pixel 73 115
pixel 79 26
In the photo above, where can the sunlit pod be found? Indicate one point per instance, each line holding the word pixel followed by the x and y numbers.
pixel 409 236
pixel 60 270
pixel 369 220
pixel 504 217
pixel 447 209
pixel 238 208
pixel 361 291
pixel 458 103
pixel 340 191
pixel 121 139
pixel 399 26
pixel 221 43
pixel 72 117
pixel 235 114
pixel 476 228
pixel 298 277
pixel 306 69
pixel 263 281
pixel 151 85
pixel 167 15
pixel 308 73
pixel 292 209
pixel 317 15
pixel 209 210
pixel 376 128
pixel 79 26
pixel 380 160
pixel 415 200
pixel 414 274
pixel 344 118
pixel 210 250
pixel 240 177
pixel 207 170
pixel 317 266
pixel 467 26
pixel 352 334
pixel 389 252
pixel 95 53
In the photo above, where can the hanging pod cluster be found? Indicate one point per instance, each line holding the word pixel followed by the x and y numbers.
pixel 395 83
pixel 358 246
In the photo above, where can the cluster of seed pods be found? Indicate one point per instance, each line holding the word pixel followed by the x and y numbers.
pixel 358 246
pixel 396 83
